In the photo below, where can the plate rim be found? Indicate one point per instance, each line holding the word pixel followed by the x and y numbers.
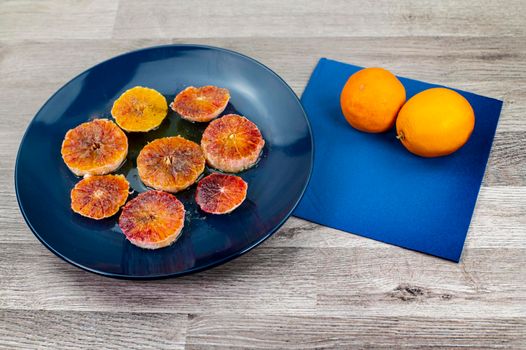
pixel 192 270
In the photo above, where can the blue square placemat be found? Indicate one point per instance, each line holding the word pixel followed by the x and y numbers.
pixel 370 185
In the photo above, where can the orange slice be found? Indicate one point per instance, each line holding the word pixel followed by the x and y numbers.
pixel 232 143
pixel 201 104
pixel 220 193
pixel 94 148
pixel 140 109
pixel 99 197
pixel 152 220
pixel 170 164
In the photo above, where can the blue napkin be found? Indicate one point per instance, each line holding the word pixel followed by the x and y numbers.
pixel 370 185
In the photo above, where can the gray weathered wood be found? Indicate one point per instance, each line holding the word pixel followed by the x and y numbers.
pixel 308 286
pixel 296 332
pixel 84 19
pixel 91 330
pixel 318 18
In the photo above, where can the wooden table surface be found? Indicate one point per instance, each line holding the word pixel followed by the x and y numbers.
pixel 308 286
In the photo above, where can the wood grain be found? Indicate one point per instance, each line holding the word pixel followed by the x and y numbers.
pixel 91 330
pixel 360 332
pixel 377 281
pixel 319 18
pixel 22 19
pixel 308 286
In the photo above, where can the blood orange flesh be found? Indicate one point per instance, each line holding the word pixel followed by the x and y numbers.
pixel 99 197
pixel 94 148
pixel 232 143
pixel 170 164
pixel 201 104
pixel 220 193
pixel 152 220
pixel 139 109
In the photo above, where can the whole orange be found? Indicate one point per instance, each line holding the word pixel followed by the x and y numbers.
pixel 435 122
pixel 371 98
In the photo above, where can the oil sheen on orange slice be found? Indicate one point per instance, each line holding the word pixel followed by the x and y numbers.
pixel 232 143
pixel 94 148
pixel 152 220
pixel 100 196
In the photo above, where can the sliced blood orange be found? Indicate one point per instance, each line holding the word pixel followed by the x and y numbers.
pixel 99 197
pixel 232 143
pixel 94 148
pixel 139 109
pixel 201 104
pixel 152 220
pixel 220 193
pixel 170 164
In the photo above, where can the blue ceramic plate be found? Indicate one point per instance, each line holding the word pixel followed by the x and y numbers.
pixel 43 182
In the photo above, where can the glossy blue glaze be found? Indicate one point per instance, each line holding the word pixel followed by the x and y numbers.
pixel 43 182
